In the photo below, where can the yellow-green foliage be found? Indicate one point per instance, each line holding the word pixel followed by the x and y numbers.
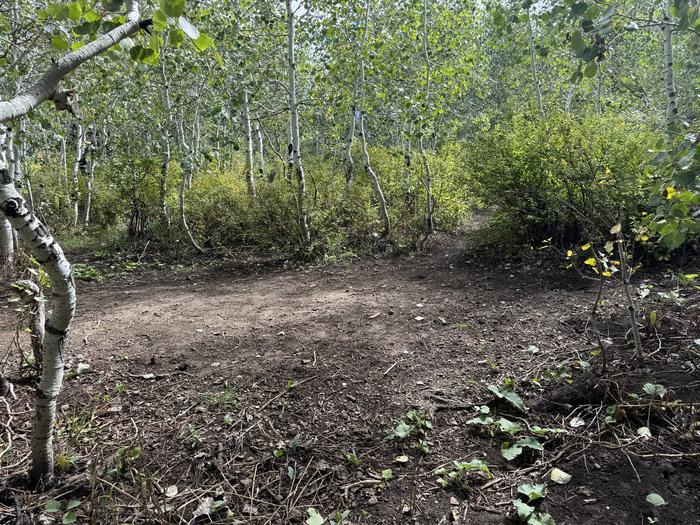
pixel 563 177
pixel 220 212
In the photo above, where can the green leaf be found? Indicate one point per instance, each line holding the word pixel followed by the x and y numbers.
pixel 69 517
pixel 60 43
pixel 506 392
pixel 112 5
pixel 524 510
pixel 173 8
pixel 75 12
pixel 530 442
pixel 52 506
pixel 160 21
pixel 72 504
pixel 507 426
pixel 591 70
pixel 655 390
pixel 656 500
pixel 314 517
pixel 203 42
pixel 533 491
pixel 510 452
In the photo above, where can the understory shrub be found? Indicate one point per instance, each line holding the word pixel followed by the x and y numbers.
pixel 565 177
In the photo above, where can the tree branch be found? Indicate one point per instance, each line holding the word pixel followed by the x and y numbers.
pixel 48 84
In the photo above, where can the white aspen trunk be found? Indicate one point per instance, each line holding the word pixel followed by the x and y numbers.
pixel 196 134
pixel 671 93
pixel 165 164
pixel 383 211
pixel 186 163
pixel 289 166
pixel 248 132
pixel 74 194
pixel 7 241
pixel 347 151
pixel 378 192
pixel 63 170
pixel 185 160
pixel 49 254
pixel 261 150
pixel 424 156
pixel 89 179
pixel 294 125
pixel 533 64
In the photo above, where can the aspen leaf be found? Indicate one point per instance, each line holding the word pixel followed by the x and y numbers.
pixel 656 500
pixel 585 247
pixel 559 476
pixel 590 261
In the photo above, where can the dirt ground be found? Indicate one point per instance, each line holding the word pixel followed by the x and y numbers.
pixel 251 394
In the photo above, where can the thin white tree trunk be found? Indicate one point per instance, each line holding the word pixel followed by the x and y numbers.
pixel 89 181
pixel 261 149
pixel 424 156
pixel 185 159
pixel 46 250
pixel 63 172
pixel 248 132
pixel 671 93
pixel 533 64
pixel 74 193
pixel 347 152
pixel 294 125
pixel 7 243
pixel 378 192
pixel 164 167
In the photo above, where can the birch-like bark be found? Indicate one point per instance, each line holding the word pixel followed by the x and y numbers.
pixel 261 150
pixel 46 88
pixel 295 142
pixel 185 160
pixel 248 132
pixel 186 163
pixel 49 254
pixel 7 244
pixel 347 151
pixel 63 171
pixel 376 185
pixel 77 164
pixel 89 181
pixel 424 156
pixel 533 64
pixel 164 167
pixel 671 93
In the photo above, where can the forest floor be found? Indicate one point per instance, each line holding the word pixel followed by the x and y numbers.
pixel 255 393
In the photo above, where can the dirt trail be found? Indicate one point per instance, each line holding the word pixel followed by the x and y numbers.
pixel 199 370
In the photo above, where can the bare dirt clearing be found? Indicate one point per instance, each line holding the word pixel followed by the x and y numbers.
pixel 244 396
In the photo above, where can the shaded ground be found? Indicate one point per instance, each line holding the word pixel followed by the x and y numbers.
pixel 255 395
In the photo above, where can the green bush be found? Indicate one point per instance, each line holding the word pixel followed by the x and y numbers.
pixel 565 177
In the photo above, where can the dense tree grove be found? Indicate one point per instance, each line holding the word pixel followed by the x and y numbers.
pixel 318 126
pixel 318 129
